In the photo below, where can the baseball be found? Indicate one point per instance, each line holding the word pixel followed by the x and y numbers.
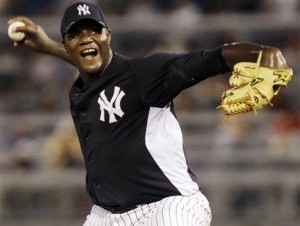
pixel 16 36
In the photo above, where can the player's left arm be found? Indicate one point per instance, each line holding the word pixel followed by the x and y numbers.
pixel 272 57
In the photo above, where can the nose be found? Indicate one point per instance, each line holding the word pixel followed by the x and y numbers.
pixel 85 38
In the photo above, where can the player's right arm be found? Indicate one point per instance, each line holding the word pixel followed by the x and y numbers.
pixel 37 39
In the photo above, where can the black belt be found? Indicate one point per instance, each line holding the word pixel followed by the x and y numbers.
pixel 118 209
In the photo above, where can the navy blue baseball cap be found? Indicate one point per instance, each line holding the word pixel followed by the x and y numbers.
pixel 79 11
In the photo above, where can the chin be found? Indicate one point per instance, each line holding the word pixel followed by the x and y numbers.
pixel 90 68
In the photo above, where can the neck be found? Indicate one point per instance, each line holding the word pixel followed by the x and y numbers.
pixel 109 59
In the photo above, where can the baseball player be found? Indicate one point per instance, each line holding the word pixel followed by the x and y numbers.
pixel 136 169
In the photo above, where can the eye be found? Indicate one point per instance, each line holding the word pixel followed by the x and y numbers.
pixel 73 34
pixel 96 30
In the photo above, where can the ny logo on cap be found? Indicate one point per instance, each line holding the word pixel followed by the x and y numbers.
pixel 83 10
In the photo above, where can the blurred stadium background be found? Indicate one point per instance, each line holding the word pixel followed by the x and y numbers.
pixel 248 166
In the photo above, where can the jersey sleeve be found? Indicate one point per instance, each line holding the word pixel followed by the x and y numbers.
pixel 161 77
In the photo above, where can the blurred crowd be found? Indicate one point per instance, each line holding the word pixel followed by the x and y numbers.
pixel 122 7
pixel 33 84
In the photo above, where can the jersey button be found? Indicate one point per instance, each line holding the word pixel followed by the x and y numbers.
pixel 83 113
pixel 98 186
pixel 91 162
pixel 76 93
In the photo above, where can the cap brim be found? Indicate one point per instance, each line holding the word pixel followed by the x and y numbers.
pixel 67 29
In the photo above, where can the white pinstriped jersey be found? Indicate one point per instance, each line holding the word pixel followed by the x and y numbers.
pixel 130 138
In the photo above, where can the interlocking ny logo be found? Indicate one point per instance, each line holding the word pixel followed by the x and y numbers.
pixel 83 10
pixel 113 107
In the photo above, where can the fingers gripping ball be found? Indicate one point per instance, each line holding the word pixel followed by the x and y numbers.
pixel 16 36
pixel 253 87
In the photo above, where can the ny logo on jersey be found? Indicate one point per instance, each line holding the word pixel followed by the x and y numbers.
pixel 113 107
pixel 83 10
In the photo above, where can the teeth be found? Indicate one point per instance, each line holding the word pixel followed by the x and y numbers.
pixel 88 51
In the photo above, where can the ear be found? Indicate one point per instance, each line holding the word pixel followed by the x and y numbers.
pixel 105 34
pixel 64 44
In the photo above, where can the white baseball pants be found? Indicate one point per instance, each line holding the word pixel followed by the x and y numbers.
pixel 191 210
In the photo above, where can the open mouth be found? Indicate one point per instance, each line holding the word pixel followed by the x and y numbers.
pixel 89 53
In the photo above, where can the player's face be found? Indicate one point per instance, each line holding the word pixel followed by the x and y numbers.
pixel 88 47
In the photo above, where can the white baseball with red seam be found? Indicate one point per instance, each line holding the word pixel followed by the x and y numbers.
pixel 16 36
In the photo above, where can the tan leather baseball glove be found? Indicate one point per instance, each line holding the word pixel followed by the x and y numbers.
pixel 253 87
